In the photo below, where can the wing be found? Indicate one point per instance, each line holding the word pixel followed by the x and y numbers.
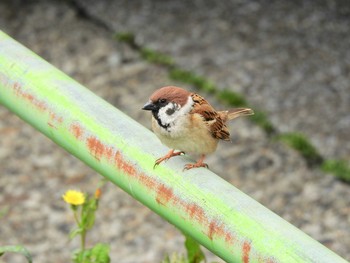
pixel 215 123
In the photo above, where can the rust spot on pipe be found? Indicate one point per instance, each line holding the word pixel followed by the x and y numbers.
pixel 216 228
pixel 54 117
pixel 109 153
pixel 18 88
pixel 96 147
pixel 164 194
pixel 229 239
pixel 130 170
pixel 195 211
pixel 148 181
pixel 76 130
pixel 41 105
pixel 246 251
pixel 212 229
pixel 54 120
pixel 124 165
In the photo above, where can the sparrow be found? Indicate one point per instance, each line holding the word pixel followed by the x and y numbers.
pixel 185 121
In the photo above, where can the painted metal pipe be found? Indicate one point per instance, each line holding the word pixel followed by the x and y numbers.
pixel 200 203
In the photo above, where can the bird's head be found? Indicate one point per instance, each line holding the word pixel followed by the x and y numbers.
pixel 169 103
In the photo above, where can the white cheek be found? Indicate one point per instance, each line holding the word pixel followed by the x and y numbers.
pixel 168 119
pixel 181 120
pixel 178 121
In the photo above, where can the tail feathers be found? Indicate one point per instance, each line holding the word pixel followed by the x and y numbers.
pixel 234 113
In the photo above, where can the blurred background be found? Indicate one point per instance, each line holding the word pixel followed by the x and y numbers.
pixel 288 59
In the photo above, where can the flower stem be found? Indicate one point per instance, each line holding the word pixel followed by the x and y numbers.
pixel 83 232
pixel 82 240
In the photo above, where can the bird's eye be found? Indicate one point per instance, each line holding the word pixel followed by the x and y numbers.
pixel 162 101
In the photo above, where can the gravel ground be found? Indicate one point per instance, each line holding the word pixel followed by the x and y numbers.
pixel 290 58
pixel 223 46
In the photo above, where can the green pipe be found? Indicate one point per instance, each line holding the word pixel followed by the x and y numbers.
pixel 200 203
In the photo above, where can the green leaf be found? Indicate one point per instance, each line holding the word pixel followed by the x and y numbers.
pixel 338 168
pixel 16 249
pixel 262 120
pixel 156 57
pixel 98 254
pixel 300 143
pixel 88 214
pixel 81 256
pixel 90 221
pixel 231 98
pixel 175 258
pixel 75 232
pixel 190 77
pixel 126 37
pixel 194 252
pixel 166 259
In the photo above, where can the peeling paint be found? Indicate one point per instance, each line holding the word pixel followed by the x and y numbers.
pixel 195 211
pixel 77 131
pixel 164 194
pixel 246 251
pixel 229 239
pixel 39 104
pixel 95 146
pixel 54 120
pixel 216 228
pixel 109 153
pixel 212 229
pixel 123 165
pixel 147 181
pixel 55 117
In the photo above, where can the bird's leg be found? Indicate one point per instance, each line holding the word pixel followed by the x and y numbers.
pixel 170 154
pixel 198 164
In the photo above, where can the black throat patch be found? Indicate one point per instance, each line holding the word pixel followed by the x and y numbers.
pixel 155 115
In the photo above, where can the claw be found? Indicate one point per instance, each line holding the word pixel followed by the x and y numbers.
pixel 170 154
pixel 195 165
pixel 198 164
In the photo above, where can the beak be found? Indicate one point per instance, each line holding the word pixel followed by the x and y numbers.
pixel 149 106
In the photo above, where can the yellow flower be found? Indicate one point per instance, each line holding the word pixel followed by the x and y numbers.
pixel 74 197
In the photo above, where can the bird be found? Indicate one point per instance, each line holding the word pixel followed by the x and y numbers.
pixel 186 122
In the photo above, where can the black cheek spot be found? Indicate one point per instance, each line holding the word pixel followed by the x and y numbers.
pixel 170 111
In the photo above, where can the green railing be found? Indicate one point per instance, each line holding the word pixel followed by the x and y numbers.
pixel 198 202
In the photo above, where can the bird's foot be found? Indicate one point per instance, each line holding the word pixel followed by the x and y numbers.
pixel 170 154
pixel 198 164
